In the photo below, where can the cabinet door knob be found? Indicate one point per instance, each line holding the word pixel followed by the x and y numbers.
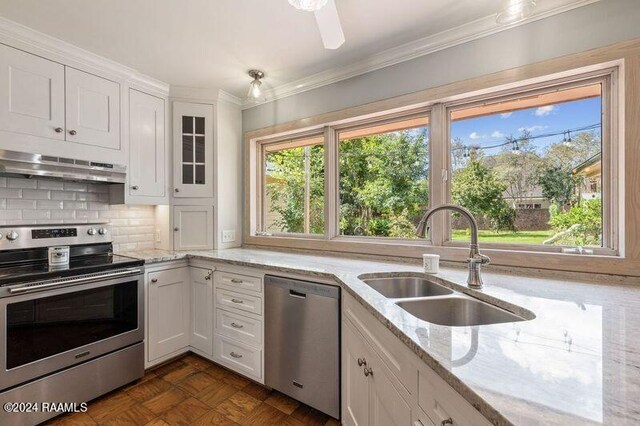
pixel 154 280
pixel 58 129
pixel 176 229
pixel 361 362
pixel 135 187
pixel 177 189
pixel 208 277
pixel 368 371
pixel 73 132
pixel 448 421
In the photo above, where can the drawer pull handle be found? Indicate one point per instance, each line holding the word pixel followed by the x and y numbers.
pixel 361 362
pixel 73 132
pixel 368 371
pixel 236 281
pixel 154 280
pixel 58 129
pixel 235 355
pixel 237 301
pixel 234 325
pixel 448 421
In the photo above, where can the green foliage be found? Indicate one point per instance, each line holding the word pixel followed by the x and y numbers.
pixel 478 189
pixel 558 185
pixel 286 188
pixel 587 215
pixel 384 183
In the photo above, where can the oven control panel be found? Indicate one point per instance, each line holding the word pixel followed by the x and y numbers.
pixel 22 237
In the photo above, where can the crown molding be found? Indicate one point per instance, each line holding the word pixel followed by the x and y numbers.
pixel 228 97
pixel 32 41
pixel 465 33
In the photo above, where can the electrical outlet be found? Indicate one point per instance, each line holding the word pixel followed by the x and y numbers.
pixel 228 236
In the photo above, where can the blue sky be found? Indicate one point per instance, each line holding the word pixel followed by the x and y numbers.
pixel 493 129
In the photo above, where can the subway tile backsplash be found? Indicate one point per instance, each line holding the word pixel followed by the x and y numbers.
pixel 37 201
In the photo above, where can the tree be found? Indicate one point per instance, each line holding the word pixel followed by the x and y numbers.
pixel 567 155
pixel 558 185
pixel 582 220
pixel 478 189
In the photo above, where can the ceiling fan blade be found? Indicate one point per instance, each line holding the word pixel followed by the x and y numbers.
pixel 329 25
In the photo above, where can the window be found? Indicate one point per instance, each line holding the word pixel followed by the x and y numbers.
pixel 529 166
pixel 193 155
pixel 536 165
pixel 294 186
pixel 384 178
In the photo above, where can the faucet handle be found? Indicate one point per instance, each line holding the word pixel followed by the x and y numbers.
pixel 480 259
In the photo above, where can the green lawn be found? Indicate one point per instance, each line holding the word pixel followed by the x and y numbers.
pixel 520 237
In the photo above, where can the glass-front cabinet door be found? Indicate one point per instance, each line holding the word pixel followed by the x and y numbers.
pixel 193 150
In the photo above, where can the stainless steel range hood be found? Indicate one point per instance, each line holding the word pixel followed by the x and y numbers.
pixel 23 164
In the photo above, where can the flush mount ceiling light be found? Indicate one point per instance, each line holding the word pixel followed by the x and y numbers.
pixel 515 10
pixel 308 5
pixel 255 91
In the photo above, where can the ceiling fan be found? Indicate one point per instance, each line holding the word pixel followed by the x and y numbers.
pixel 327 19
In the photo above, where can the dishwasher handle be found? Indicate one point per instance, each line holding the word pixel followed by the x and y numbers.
pixel 297 294
pixel 303 289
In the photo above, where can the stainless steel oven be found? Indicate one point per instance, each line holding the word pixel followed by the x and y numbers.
pixel 50 325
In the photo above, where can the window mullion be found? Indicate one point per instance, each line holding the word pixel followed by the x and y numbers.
pixel 438 170
pixel 331 196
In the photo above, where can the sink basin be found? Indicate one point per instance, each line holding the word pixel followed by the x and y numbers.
pixel 406 287
pixel 457 311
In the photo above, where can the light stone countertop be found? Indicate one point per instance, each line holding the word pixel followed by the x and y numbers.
pixel 576 362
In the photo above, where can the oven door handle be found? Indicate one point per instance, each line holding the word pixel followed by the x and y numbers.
pixel 62 282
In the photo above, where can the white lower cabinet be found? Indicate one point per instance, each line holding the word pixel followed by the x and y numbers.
pixel 384 383
pixel 370 396
pixel 201 335
pixel 168 312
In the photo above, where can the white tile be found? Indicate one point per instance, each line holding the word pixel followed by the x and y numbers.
pixel 99 188
pixel 10 193
pixel 108 214
pixel 10 214
pixel 3 203
pixel 63 195
pixel 36 214
pixel 75 205
pixel 50 184
pixel 86 214
pixel 63 214
pixel 36 194
pixel 17 203
pixel 21 222
pixel 75 186
pixel 46 221
pixel 49 204
pixel 3 182
pixel 22 183
pixel 98 206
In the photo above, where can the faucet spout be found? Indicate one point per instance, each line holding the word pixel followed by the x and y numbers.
pixel 475 260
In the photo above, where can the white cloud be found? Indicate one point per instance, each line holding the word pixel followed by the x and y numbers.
pixel 543 111
pixel 532 129
pixel 506 114
pixel 497 134
pixel 475 135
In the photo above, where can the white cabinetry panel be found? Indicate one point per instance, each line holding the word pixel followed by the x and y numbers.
pixel 31 94
pixel 92 110
pixel 202 309
pixel 193 227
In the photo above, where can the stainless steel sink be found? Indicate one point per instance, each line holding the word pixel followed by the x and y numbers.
pixel 406 287
pixel 457 310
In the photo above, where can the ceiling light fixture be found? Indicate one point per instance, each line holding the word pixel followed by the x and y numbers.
pixel 308 5
pixel 255 91
pixel 515 10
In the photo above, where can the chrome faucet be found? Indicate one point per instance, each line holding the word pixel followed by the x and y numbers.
pixel 475 260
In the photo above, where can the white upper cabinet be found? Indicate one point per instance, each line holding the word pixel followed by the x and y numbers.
pixel 193 227
pixel 193 150
pixel 147 147
pixel 92 110
pixel 31 94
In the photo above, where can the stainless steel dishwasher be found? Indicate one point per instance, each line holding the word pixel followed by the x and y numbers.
pixel 302 341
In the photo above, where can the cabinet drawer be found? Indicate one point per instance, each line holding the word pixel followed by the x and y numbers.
pixel 238 281
pixel 234 300
pixel 441 402
pixel 239 357
pixel 239 327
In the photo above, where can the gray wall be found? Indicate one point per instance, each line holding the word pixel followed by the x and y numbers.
pixel 595 25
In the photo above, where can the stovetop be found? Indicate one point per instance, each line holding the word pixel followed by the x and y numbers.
pixel 18 272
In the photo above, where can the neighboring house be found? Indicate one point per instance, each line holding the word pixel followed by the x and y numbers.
pixel 591 170
pixel 533 199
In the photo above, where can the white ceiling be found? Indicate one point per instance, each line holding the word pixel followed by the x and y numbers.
pixel 212 43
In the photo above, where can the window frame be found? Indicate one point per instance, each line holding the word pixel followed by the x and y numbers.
pixel 437 109
pixel 609 149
